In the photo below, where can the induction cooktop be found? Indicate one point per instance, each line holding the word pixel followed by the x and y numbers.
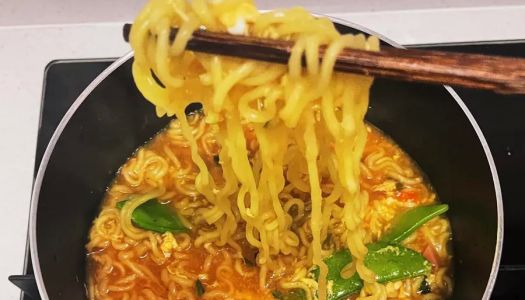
pixel 499 116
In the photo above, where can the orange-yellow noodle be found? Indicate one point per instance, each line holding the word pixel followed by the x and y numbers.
pixel 308 122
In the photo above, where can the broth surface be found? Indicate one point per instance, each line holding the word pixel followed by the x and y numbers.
pixel 180 266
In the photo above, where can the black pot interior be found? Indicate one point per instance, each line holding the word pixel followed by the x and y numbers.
pixel 115 120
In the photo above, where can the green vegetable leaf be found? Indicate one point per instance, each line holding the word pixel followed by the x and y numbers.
pixel 388 262
pixel 199 288
pixel 293 294
pixel 408 222
pixel 394 262
pixel 277 295
pixel 154 216
pixel 341 288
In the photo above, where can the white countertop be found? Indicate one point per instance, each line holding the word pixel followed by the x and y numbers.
pixel 25 50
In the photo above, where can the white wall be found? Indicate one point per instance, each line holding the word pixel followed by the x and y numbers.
pixel 37 12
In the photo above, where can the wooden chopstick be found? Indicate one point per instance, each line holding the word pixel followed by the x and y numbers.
pixel 500 74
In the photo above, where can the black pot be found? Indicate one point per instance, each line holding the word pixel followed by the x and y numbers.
pixel 111 119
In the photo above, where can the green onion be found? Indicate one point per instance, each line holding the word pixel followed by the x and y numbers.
pixel 199 288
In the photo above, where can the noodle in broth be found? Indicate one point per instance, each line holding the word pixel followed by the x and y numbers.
pixel 277 173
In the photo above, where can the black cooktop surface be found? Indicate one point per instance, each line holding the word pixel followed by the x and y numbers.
pixel 500 118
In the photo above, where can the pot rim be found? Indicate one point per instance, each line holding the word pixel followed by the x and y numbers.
pixel 80 99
